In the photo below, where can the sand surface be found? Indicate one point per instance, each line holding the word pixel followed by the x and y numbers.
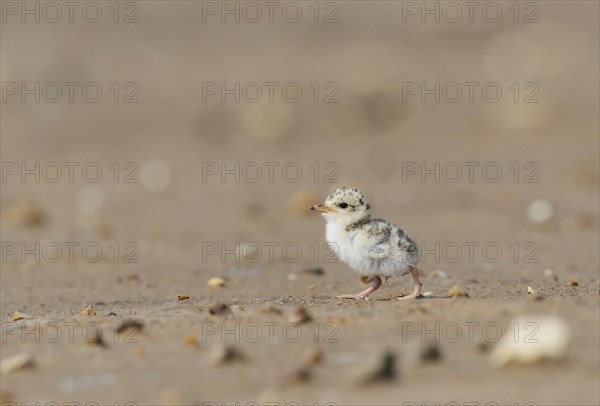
pixel 196 185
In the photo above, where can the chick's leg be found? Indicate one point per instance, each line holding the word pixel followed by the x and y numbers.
pixel 365 293
pixel 416 285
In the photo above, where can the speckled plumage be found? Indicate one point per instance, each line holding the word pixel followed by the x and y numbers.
pixel 371 246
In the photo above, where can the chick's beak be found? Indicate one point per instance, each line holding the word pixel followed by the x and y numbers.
pixel 321 208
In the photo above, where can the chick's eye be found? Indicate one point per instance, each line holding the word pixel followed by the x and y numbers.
pixel 343 205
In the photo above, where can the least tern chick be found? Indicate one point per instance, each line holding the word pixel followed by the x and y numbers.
pixel 373 247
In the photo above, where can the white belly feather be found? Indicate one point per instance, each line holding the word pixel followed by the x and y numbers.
pixel 352 247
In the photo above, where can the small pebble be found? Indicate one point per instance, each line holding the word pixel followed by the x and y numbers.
pixel 216 282
pixel 17 315
pixel 190 340
pixel 236 308
pixel 483 344
pixel 182 297
pixel 540 211
pixel 94 336
pixel 427 294
pixel 88 311
pixel 456 291
pixel 381 368
pixel 430 353
pixel 530 290
pixel 549 273
pixel 314 271
pixel 25 214
pixel 537 297
pixel 125 325
pixel 218 308
pixel 134 277
pixel 573 282
pixel 313 356
pixel 292 277
pixel 300 315
pixel 302 375
pixel 269 308
pixel 224 354
pixel 16 362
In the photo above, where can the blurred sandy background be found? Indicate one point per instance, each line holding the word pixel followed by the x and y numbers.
pixel 176 209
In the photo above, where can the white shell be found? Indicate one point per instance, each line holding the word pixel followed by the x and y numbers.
pixel 530 339
pixel 216 282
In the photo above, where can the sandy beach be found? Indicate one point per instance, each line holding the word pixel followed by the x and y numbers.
pixel 159 159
